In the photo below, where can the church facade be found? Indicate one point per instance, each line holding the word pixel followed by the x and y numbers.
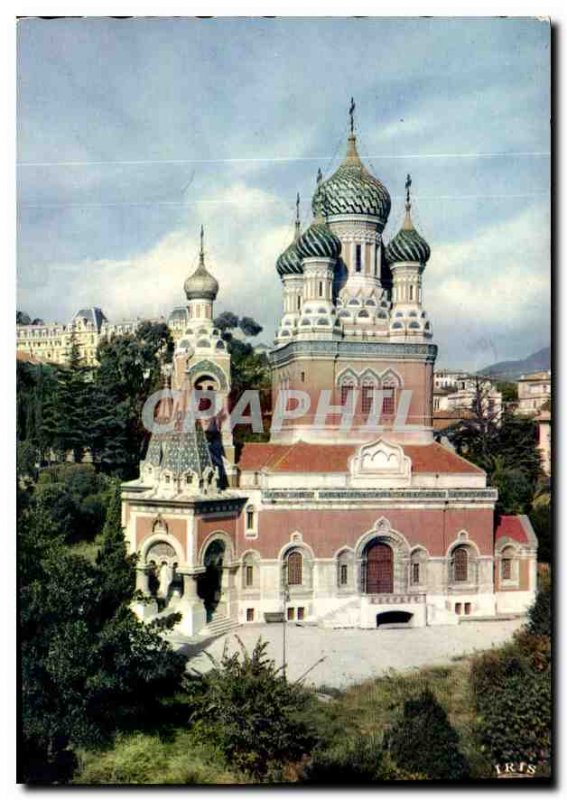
pixel 351 515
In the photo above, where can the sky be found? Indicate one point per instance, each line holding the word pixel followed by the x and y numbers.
pixel 134 132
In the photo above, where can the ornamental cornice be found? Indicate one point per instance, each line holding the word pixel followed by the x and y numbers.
pixel 333 349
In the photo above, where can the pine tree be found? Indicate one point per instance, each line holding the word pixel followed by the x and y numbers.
pixel 423 740
pixel 117 568
pixel 69 413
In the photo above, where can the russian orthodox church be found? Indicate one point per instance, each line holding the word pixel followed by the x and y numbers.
pixel 333 524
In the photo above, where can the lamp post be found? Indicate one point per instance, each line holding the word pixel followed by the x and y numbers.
pixel 284 620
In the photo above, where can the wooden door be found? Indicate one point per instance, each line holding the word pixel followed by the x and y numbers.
pixel 379 569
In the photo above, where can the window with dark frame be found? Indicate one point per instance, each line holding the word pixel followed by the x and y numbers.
pixel 346 388
pixel 460 565
pixel 249 518
pixel 295 569
pixel 249 580
pixel 415 572
pixel 301 612
pixel 506 569
pixel 249 615
pixel 367 396
pixel 358 257
pixel 389 401
pixel 343 575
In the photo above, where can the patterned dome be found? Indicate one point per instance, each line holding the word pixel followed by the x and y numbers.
pixel 407 244
pixel 352 189
pixel 289 263
pixel 318 241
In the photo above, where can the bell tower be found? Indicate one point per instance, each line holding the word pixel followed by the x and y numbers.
pixel 201 360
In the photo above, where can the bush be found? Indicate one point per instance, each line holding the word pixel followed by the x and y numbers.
pixel 423 740
pixel 258 719
pixel 539 615
pixel 512 689
pixel 146 759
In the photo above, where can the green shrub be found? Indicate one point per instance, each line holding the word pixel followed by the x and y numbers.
pixel 259 720
pixel 539 615
pixel 512 690
pixel 423 740
pixel 145 759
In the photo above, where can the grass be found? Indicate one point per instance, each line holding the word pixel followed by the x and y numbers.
pixel 345 718
pixel 149 759
pixel 369 708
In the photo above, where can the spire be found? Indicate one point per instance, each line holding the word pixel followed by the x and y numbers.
pixel 202 248
pixel 407 223
pixel 201 285
pixel 297 220
pixel 352 156
pixel 351 115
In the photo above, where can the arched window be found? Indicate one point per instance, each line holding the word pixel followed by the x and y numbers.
pixel 347 386
pixel 345 571
pixel 250 518
pixel 249 571
pixel 508 564
pixel 418 567
pixel 389 401
pixel 460 565
pixel 368 387
pixel 295 568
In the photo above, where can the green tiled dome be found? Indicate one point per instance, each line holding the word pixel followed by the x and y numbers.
pixel 318 241
pixel 352 189
pixel 289 263
pixel 407 244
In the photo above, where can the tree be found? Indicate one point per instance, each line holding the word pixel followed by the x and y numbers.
pixel 130 370
pixel 247 707
pixel 539 615
pixel 67 419
pixel 249 326
pixel 423 740
pixel 226 321
pixel 117 568
pixel 508 452
pixel 89 667
pixel 22 318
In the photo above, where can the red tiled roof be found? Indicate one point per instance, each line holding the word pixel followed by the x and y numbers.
pixel 23 355
pixel 303 457
pixel 511 528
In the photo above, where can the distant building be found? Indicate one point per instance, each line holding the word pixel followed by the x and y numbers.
pixel 458 391
pixel 534 390
pixel 543 420
pixel 50 342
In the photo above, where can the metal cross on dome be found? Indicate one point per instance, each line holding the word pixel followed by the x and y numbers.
pixel 351 114
pixel 408 184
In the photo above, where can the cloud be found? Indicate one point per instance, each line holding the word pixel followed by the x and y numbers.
pixel 242 241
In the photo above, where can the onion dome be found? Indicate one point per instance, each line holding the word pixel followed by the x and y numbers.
pixel 318 241
pixel 201 285
pixel 407 244
pixel 289 263
pixel 352 189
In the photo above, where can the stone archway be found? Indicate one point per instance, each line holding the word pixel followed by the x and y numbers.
pixel 378 568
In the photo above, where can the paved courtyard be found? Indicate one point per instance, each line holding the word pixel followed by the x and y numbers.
pixel 339 658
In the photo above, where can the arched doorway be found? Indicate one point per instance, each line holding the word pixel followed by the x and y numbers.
pixel 379 568
pixel 209 585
